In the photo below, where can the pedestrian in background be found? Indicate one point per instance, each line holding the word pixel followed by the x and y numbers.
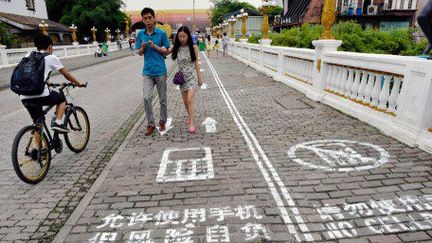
pixel 186 54
pixel 225 42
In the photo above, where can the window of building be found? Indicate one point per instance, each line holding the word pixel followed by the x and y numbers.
pixel 30 4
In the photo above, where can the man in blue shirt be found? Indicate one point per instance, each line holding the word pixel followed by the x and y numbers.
pixel 153 44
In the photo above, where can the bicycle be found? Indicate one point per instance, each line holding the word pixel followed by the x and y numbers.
pixel 37 141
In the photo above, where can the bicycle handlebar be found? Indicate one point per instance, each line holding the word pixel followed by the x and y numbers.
pixel 64 85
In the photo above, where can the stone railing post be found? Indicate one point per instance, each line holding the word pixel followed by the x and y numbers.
pixel 280 63
pixel 414 105
pixel 65 51
pixel 320 71
pixel 3 56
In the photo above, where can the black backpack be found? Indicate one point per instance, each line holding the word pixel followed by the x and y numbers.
pixel 28 76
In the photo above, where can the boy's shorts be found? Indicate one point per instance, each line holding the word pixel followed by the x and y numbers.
pixel 35 105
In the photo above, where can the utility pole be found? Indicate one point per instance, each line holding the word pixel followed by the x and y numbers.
pixel 193 20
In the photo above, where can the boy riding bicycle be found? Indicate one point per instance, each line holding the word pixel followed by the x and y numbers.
pixel 35 103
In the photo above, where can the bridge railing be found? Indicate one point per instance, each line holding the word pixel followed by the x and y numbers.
pixel 11 57
pixel 392 93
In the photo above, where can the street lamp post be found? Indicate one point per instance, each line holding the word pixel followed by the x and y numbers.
pixel 243 16
pixel 44 27
pixel 74 29
pixel 328 19
pixel 211 23
pixel 232 21
pixel 107 35
pixel 94 30
pixel 193 17
pixel 265 28
pixel 126 22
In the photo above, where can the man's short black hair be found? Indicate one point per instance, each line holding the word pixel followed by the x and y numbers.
pixel 147 10
pixel 42 41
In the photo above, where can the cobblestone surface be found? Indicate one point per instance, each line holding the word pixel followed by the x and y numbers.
pixel 71 64
pixel 113 101
pixel 345 190
pixel 386 203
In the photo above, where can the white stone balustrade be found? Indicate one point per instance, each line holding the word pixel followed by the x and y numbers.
pixel 392 93
pixel 11 57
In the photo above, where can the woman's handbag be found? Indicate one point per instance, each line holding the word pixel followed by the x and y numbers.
pixel 179 78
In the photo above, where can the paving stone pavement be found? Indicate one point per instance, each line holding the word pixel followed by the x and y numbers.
pixel 71 64
pixel 279 168
pixel 113 101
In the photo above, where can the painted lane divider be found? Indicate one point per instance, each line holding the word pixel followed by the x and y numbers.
pixel 210 125
pixel 257 151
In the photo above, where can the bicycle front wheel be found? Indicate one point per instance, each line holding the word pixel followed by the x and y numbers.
pixel 31 156
pixel 79 125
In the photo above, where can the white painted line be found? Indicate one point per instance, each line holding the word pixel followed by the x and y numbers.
pixel 185 169
pixel 244 129
pixel 210 125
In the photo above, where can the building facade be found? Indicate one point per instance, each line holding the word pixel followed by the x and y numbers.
pixel 378 14
pixel 23 18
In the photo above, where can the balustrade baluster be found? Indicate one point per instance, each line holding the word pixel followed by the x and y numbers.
pixel 393 99
pixel 343 81
pixel 376 91
pixel 349 83
pixel 369 88
pixel 329 79
pixel 338 80
pixel 355 87
pixel 385 93
pixel 362 86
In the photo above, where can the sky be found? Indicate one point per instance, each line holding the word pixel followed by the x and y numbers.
pixel 174 4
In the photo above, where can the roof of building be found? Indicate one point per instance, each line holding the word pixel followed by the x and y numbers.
pixel 31 23
pixel 297 8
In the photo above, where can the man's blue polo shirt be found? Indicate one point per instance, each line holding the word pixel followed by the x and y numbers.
pixel 154 62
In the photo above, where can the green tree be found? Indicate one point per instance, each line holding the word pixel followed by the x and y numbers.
pixel 57 8
pixel 222 7
pixel 88 13
pixel 7 38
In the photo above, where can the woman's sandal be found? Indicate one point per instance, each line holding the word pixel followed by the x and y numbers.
pixel 192 130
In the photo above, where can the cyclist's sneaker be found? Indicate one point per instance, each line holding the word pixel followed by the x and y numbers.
pixel 60 128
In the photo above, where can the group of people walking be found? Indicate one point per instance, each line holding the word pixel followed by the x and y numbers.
pixel 153 44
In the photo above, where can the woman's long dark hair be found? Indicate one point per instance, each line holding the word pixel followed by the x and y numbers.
pixel 177 43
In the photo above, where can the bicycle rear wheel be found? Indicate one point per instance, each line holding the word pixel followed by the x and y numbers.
pixel 79 126
pixel 31 156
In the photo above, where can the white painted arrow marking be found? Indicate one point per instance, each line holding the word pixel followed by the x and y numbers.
pixel 210 125
pixel 168 126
